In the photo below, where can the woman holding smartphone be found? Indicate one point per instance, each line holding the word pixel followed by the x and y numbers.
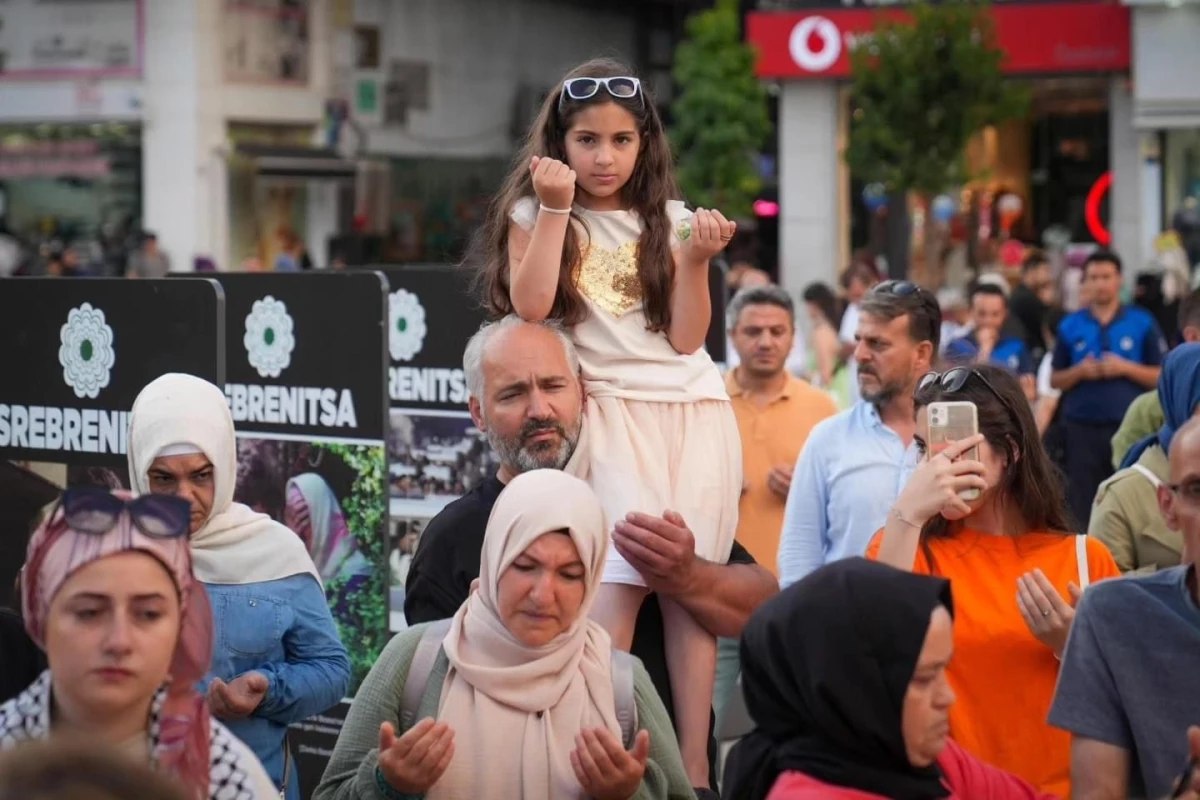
pixel 1015 566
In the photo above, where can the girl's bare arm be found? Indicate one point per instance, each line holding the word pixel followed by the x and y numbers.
pixel 534 261
pixel 691 306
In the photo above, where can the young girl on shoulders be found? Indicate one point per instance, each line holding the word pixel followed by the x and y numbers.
pixel 587 231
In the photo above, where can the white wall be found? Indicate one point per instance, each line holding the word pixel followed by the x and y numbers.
pixel 1132 234
pixel 810 178
pixel 479 52
pixel 172 197
pixel 1165 56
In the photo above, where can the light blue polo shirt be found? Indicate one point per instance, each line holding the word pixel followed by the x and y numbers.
pixel 849 474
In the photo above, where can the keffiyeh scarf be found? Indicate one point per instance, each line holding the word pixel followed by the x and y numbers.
pixel 27 718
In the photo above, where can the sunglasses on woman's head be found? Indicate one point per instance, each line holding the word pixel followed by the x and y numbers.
pixel 580 89
pixel 96 511
pixel 953 380
pixel 897 288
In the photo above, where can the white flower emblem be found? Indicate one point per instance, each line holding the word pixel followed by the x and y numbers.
pixel 86 353
pixel 269 341
pixel 1126 343
pixel 406 325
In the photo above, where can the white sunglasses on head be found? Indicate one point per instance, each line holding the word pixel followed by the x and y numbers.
pixel 579 89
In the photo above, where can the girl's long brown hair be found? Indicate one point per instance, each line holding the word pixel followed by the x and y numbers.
pixel 647 192
pixel 1030 481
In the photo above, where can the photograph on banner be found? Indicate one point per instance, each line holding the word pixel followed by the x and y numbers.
pixel 328 495
pixel 406 538
pixel 435 458
pixel 312 431
pixel 84 350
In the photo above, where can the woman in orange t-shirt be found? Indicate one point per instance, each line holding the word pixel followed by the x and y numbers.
pixel 1014 569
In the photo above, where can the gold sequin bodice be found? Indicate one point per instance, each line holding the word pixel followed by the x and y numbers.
pixel 610 277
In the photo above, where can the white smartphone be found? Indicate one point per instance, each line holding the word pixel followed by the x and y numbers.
pixel 949 422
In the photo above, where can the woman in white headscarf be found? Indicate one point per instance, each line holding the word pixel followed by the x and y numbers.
pixel 520 701
pixel 277 658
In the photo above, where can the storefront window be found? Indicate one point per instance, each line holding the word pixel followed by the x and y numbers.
pixel 1045 164
pixel 1182 177
pixel 263 212
pixel 72 185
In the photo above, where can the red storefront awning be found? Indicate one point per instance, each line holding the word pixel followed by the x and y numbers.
pixel 1050 39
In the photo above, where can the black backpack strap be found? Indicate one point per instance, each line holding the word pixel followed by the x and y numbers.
pixel 428 649
pixel 623 696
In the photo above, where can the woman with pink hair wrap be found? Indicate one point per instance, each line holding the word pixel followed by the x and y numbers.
pixel 107 591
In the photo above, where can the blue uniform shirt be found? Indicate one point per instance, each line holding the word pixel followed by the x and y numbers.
pixel 1010 353
pixel 1133 335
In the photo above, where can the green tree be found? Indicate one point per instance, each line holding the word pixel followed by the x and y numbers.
pixel 921 88
pixel 721 118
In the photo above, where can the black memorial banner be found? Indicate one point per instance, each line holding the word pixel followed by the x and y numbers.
pixel 307 386
pixel 77 352
pixel 432 313
pixel 306 354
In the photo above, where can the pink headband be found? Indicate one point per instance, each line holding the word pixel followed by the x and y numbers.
pixel 56 552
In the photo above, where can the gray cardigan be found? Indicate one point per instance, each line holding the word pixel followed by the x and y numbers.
pixel 350 774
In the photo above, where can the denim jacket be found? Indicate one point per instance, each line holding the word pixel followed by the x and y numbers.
pixel 284 630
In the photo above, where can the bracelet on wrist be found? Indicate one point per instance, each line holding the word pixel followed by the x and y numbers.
pixel 388 791
pixel 549 210
pixel 899 517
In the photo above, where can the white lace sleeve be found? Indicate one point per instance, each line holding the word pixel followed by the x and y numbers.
pixel 680 216
pixel 525 212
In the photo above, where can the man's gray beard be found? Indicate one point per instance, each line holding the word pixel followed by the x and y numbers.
pixel 521 459
pixel 885 394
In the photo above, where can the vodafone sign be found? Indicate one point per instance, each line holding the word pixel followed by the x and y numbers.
pixel 815 44
pixel 1048 38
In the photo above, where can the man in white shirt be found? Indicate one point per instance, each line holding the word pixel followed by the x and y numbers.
pixel 854 464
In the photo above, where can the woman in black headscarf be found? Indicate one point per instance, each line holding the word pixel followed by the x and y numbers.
pixel 844 674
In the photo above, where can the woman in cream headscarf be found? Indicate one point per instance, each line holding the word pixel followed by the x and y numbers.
pixel 107 591
pixel 522 691
pixel 277 656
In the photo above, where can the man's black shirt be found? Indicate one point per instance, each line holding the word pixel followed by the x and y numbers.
pixel 447 560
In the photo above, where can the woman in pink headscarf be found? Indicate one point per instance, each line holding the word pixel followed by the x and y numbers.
pixel 107 591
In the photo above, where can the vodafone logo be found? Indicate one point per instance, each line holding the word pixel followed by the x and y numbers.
pixel 815 44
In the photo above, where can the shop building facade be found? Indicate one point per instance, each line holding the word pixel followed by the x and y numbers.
pixel 244 119
pixel 1166 114
pixel 1075 58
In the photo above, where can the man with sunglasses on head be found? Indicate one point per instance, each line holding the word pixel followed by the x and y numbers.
pixel 854 464
pixel 1128 688
pixel 1105 355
